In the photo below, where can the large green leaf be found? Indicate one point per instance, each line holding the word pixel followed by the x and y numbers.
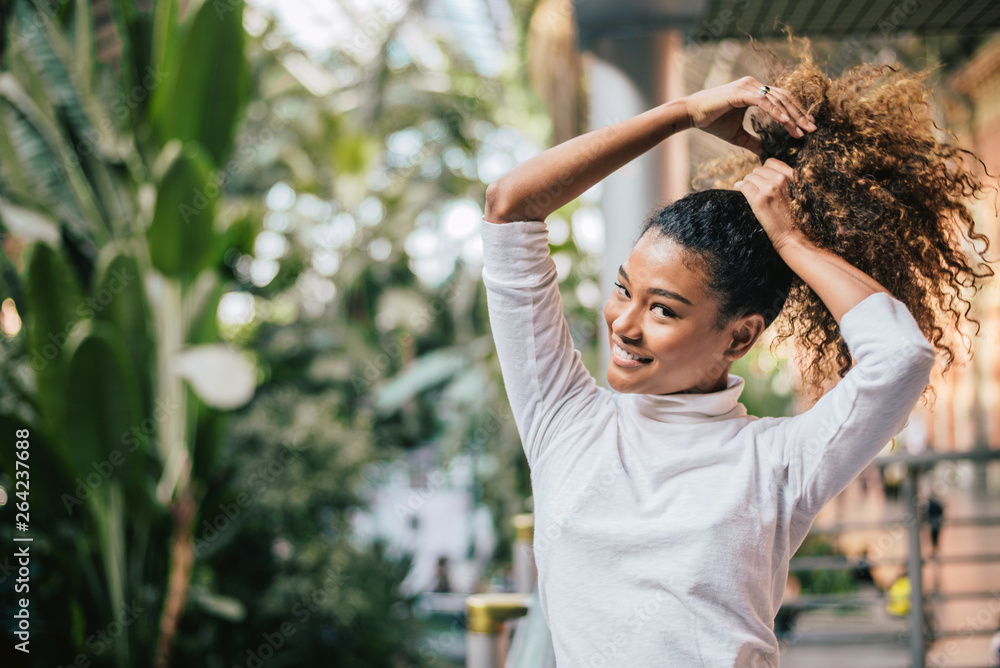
pixel 419 376
pixel 65 75
pixel 54 304
pixel 31 171
pixel 181 237
pixel 102 408
pixel 163 39
pixel 135 30
pixel 119 296
pixel 208 445
pixel 206 81
pixel 83 41
pixel 202 308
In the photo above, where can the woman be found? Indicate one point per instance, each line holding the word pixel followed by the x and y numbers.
pixel 665 516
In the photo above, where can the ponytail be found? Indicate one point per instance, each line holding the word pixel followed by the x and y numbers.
pixel 876 185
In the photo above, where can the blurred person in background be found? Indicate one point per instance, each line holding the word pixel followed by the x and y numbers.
pixel 934 512
pixel 442 584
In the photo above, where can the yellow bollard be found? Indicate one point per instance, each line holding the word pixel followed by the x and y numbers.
pixel 525 573
pixel 486 614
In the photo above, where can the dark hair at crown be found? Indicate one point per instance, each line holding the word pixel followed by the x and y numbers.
pixel 745 272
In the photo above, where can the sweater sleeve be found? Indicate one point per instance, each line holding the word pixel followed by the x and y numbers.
pixel 543 373
pixel 830 444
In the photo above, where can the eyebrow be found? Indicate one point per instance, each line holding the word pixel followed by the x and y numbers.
pixel 657 291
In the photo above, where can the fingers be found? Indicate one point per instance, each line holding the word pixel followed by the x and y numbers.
pixel 795 110
pixel 778 166
pixel 750 184
pixel 747 187
pixel 770 179
pixel 749 142
pixel 782 107
pixel 771 105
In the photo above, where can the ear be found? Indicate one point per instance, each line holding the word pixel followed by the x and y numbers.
pixel 745 331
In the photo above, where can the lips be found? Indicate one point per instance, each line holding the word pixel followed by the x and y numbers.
pixel 625 358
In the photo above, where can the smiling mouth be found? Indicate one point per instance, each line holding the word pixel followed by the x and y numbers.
pixel 626 359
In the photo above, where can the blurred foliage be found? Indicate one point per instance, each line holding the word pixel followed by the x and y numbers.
pixel 111 259
pixel 831 581
pixel 767 379
pixel 296 206
pixel 134 167
pixel 371 333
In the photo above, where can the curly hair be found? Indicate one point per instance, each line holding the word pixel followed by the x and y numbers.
pixel 876 185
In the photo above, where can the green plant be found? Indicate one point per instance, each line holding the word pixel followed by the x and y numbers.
pixel 114 262
pixel 827 581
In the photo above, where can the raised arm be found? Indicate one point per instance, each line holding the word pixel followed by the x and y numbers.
pixel 543 184
pixel 547 385
pixel 838 283
pixel 827 446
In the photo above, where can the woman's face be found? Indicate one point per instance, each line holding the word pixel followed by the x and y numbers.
pixel 661 311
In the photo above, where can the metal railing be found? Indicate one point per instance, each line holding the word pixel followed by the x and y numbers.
pixel 920 633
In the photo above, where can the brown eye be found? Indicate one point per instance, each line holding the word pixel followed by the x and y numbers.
pixel 666 312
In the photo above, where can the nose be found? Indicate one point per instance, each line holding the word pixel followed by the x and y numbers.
pixel 626 324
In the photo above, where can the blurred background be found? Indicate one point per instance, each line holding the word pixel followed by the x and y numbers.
pixel 244 348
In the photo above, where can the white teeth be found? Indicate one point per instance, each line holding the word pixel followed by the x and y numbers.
pixel 628 356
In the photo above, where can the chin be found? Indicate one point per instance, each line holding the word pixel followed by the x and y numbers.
pixel 616 382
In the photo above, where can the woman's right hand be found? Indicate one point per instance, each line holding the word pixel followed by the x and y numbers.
pixel 720 111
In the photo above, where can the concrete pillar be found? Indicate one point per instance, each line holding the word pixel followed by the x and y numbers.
pixel 675 160
pixel 621 79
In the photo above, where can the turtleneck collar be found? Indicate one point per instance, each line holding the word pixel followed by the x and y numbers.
pixel 707 407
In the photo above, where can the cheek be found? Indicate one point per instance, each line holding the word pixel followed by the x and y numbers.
pixel 678 342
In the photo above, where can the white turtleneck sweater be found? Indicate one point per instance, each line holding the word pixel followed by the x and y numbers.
pixel 664 523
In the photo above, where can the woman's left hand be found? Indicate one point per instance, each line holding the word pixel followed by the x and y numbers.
pixel 767 190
